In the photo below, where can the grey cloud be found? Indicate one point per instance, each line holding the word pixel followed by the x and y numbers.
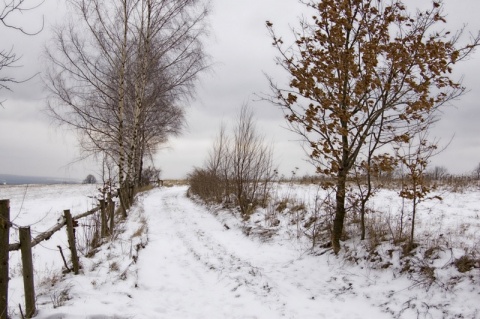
pixel 241 51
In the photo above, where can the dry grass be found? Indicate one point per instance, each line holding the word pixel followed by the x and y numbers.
pixel 144 188
pixel 175 182
pixel 142 229
pixel 88 238
pixel 59 298
pixel 114 266
pixel 466 263
pixel 377 229
pixel 52 280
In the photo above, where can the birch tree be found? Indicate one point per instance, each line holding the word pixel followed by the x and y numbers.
pixel 359 67
pixel 168 58
pixel 124 83
pixel 87 77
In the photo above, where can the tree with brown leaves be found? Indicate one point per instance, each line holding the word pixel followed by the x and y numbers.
pixel 360 69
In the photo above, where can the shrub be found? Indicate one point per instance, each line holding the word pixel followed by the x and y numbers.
pixel 238 168
pixel 90 179
pixel 205 185
pixel 150 175
pixel 465 263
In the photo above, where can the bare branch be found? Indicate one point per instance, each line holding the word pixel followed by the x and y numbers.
pixel 10 7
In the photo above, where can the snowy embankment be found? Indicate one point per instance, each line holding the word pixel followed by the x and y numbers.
pixel 174 258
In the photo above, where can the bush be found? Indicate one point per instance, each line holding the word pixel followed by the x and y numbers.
pixel 150 175
pixel 90 179
pixel 205 185
pixel 465 263
pixel 238 168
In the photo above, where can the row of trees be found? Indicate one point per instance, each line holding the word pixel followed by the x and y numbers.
pixel 120 73
pixel 367 80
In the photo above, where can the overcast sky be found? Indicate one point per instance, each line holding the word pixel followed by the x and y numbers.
pixel 241 52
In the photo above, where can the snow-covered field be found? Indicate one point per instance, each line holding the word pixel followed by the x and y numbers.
pixel 176 258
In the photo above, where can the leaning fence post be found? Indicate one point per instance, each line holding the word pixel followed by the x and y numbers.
pixel 103 217
pixel 4 243
pixel 71 240
pixel 28 284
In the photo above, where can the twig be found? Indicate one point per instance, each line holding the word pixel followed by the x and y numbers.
pixel 21 312
pixel 63 257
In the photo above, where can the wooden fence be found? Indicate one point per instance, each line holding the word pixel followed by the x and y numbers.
pixel 25 244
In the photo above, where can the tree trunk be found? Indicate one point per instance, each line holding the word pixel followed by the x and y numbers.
pixel 339 211
pixel 364 201
pixel 414 211
pixel 121 106
pixel 362 220
pixel 140 87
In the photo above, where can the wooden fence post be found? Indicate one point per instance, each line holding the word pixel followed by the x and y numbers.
pixel 28 284
pixel 71 240
pixel 111 212
pixel 4 243
pixel 103 219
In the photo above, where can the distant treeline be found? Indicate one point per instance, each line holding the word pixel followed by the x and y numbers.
pixel 6 179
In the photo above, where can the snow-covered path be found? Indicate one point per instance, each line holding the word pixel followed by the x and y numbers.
pixel 182 272
pixel 194 267
pixel 173 258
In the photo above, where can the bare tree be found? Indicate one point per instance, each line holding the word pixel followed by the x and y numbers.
pixel 123 83
pixel 8 57
pixel 9 8
pixel 90 179
pixel 252 165
pixel 239 167
pixel 438 172
pixel 165 67
pixel 219 165
pixel 476 171
pixel 359 68
pixel 7 60
pixel 150 175
pixel 87 78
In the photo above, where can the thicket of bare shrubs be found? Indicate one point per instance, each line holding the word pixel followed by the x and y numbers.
pixel 239 173
pixel 239 169
pixel 206 184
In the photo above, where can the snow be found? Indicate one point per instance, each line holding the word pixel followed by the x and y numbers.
pixel 176 258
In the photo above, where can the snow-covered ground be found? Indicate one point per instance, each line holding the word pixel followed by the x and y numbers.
pixel 176 258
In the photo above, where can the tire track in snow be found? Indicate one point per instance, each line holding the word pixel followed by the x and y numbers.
pixel 247 280
pixel 240 275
